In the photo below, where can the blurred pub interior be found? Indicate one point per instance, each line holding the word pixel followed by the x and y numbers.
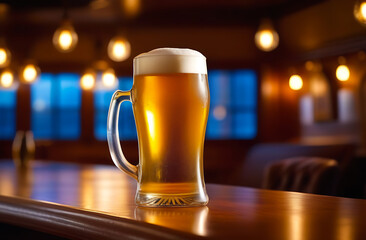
pixel 258 117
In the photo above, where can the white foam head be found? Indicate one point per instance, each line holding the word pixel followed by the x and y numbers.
pixel 169 60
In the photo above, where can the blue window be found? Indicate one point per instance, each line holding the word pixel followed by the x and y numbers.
pixel 7 113
pixel 56 103
pixel 233 105
pixel 126 124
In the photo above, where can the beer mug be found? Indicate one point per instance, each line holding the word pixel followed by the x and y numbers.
pixel 170 101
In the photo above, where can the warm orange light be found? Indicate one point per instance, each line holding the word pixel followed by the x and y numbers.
pixel 119 49
pixel 29 73
pixel 342 73
pixel 295 82
pixel 359 11
pixel 318 85
pixel 131 7
pixel 6 79
pixel 363 9
pixel 109 79
pixel 4 57
pixel 87 81
pixel 65 37
pixel 266 37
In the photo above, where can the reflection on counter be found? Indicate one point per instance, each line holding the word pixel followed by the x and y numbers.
pixel 296 220
pixel 15 181
pixel 86 186
pixel 103 188
pixel 189 219
pixel 340 224
pixel 7 179
pixel 94 187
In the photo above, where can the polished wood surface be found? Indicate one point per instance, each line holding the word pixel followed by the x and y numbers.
pixel 97 202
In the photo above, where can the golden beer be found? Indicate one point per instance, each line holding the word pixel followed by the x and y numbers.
pixel 171 113
pixel 170 100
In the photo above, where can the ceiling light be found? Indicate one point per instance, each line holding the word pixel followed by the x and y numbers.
pixel 119 49
pixel 5 57
pixel 109 78
pixel 359 11
pixel 29 73
pixel 295 82
pixel 266 38
pixel 87 81
pixel 65 37
pixel 342 73
pixel 6 79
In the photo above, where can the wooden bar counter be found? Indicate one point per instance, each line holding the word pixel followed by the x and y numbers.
pixel 97 202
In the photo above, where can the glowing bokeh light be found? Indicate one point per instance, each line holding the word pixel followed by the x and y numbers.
pixel 109 78
pixel 6 79
pixel 266 38
pixel 65 38
pixel 342 73
pixel 87 81
pixel 4 57
pixel 119 49
pixel 359 11
pixel 295 82
pixel 30 73
pixel 363 9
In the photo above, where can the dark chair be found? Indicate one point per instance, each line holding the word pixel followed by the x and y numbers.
pixel 251 172
pixel 302 174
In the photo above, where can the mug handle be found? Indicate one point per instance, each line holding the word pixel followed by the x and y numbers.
pixel 113 137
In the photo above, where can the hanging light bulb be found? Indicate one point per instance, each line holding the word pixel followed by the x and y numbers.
pixel 5 57
pixel 87 81
pixel 65 37
pixel 295 82
pixel 29 73
pixel 6 78
pixel 342 73
pixel 266 38
pixel 359 11
pixel 109 78
pixel 119 49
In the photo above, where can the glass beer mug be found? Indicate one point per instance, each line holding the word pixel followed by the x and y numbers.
pixel 170 100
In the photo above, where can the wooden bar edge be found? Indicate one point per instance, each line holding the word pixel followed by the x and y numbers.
pixel 75 223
